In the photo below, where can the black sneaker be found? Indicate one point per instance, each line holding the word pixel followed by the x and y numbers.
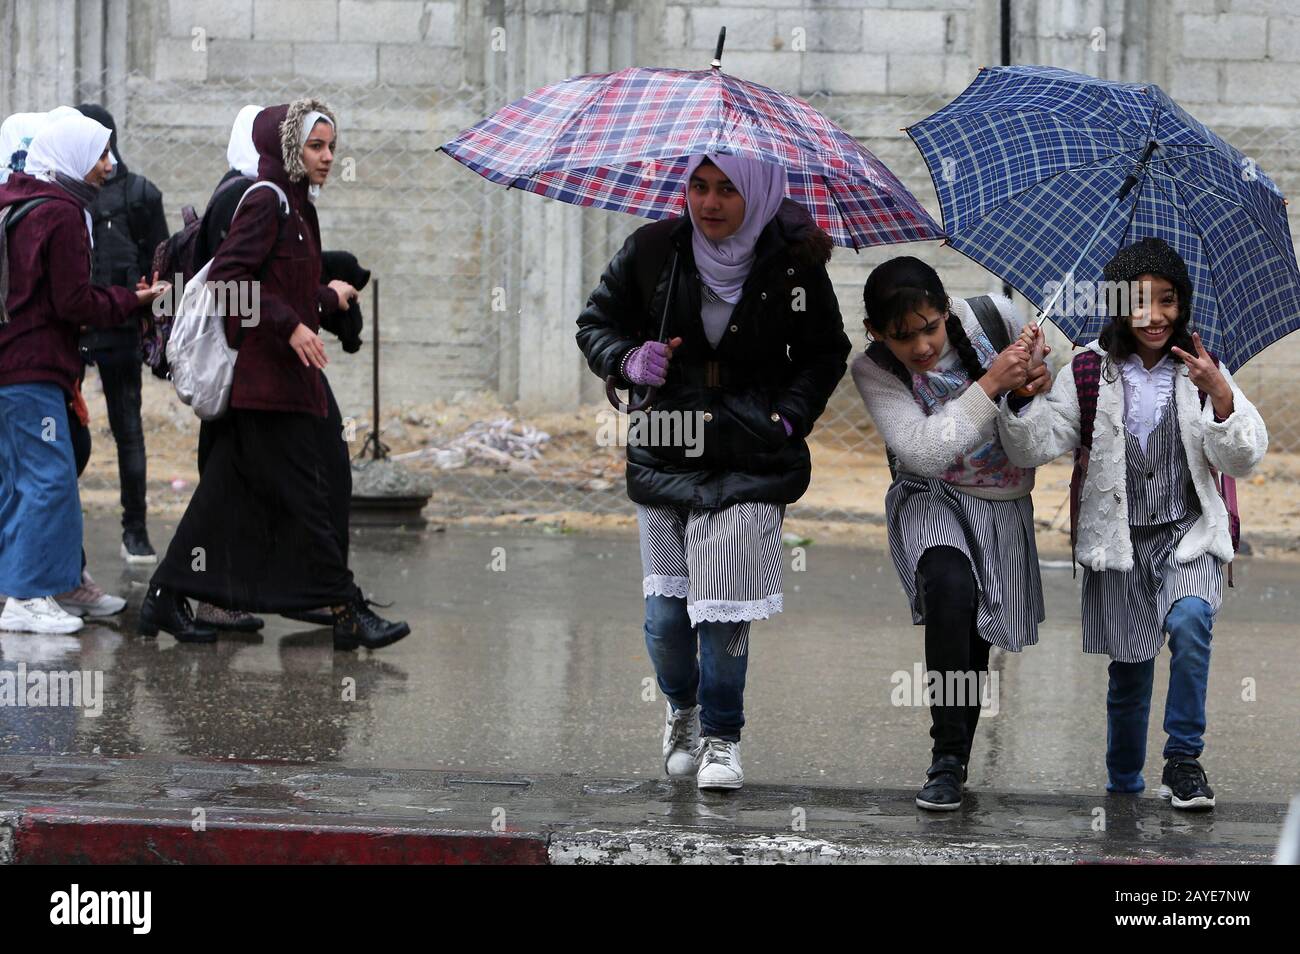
pixel 942 790
pixel 136 549
pixel 1183 782
pixel 355 624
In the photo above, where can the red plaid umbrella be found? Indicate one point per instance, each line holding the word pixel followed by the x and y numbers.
pixel 621 141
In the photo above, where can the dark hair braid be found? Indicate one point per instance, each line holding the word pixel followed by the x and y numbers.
pixel 970 359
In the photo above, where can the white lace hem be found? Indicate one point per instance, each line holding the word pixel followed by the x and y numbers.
pixel 734 611
pixel 658 585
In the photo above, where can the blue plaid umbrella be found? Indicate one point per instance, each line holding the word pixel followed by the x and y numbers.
pixel 1043 174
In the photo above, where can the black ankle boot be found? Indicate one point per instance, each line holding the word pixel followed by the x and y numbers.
pixel 165 610
pixel 942 789
pixel 355 624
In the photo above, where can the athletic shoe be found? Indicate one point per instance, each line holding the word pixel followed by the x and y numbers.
pixel 89 599
pixel 719 764
pixel 136 549
pixel 40 614
pixel 942 789
pixel 682 741
pixel 1184 783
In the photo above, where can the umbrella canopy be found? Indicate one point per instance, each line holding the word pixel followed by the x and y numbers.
pixel 621 141
pixel 1042 173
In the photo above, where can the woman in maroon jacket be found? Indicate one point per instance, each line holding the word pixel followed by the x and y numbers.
pixel 257 534
pixel 45 269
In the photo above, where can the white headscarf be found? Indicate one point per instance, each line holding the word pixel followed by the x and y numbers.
pixel 241 153
pixel 308 124
pixel 17 132
pixel 70 144
pixel 69 147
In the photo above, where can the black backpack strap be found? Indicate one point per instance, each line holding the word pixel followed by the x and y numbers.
pixel 19 212
pixel 990 319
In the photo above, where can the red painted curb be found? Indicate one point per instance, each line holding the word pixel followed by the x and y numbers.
pixel 49 836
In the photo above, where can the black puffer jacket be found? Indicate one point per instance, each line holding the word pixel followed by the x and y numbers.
pixel 773 358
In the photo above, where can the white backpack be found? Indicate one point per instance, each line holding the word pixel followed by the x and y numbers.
pixel 202 363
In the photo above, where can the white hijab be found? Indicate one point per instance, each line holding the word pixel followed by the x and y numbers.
pixel 70 145
pixel 241 153
pixel 308 124
pixel 17 132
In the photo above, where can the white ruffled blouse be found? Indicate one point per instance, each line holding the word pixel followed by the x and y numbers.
pixel 1145 395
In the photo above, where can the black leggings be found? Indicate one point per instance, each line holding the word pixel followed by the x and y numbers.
pixel 952 645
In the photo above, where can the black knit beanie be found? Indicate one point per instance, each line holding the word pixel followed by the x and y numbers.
pixel 1151 256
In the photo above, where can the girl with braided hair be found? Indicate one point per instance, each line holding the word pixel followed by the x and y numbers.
pixel 961 522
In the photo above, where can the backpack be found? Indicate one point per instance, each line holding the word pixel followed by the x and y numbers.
pixel 174 260
pixel 11 215
pixel 1086 366
pixel 202 361
pixel 995 329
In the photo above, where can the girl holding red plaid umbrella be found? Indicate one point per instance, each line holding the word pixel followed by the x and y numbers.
pixel 750 346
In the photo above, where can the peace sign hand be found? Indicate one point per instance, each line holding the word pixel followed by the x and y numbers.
pixel 1207 377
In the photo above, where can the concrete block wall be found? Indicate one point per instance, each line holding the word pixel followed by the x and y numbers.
pixel 405 75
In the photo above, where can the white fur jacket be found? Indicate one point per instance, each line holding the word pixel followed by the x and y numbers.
pixel 1049 427
pixel 926 444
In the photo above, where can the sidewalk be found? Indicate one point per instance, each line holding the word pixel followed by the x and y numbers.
pixel 60 810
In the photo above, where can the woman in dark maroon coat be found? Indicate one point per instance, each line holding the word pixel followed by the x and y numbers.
pixel 257 534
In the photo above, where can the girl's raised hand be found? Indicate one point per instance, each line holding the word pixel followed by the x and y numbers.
pixel 1207 377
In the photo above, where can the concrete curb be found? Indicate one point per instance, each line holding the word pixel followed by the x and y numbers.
pixel 55 835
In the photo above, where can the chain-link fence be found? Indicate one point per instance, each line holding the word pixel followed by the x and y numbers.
pixel 480 390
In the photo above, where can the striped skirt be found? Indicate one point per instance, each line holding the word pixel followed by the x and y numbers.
pixel 997 537
pixel 725 563
pixel 1124 613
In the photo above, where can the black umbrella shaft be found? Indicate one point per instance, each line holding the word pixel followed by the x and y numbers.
pixel 717 53
pixel 1136 174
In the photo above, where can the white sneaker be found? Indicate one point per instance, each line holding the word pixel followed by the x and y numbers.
pixel 682 741
pixel 719 764
pixel 40 614
pixel 89 599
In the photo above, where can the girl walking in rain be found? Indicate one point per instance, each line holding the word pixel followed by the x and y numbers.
pixel 258 535
pixel 754 347
pixel 45 247
pixel 961 521
pixel 1153 532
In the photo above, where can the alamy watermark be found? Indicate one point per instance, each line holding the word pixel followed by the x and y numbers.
pixel 40 688
pixel 653 428
pixel 236 299
pixel 921 687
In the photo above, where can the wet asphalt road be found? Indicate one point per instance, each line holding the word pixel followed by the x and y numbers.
pixel 540 667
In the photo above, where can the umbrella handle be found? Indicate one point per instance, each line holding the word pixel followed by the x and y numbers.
pixel 611 392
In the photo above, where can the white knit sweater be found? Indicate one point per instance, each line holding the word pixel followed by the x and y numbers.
pixel 1049 427
pixel 927 444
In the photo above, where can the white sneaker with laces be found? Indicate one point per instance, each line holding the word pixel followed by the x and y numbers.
pixel 41 614
pixel 719 764
pixel 682 741
pixel 89 599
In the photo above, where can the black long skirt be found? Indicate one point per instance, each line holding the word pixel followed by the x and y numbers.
pixel 266 530
pixel 338 466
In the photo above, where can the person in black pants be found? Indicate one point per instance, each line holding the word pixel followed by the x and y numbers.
pixel 129 222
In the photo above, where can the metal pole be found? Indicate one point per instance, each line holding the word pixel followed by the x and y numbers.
pixel 374 361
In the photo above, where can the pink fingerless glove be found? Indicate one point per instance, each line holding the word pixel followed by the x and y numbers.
pixel 647 364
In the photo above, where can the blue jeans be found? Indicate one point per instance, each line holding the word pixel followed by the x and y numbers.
pixel 715 680
pixel 1128 702
pixel 40 510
